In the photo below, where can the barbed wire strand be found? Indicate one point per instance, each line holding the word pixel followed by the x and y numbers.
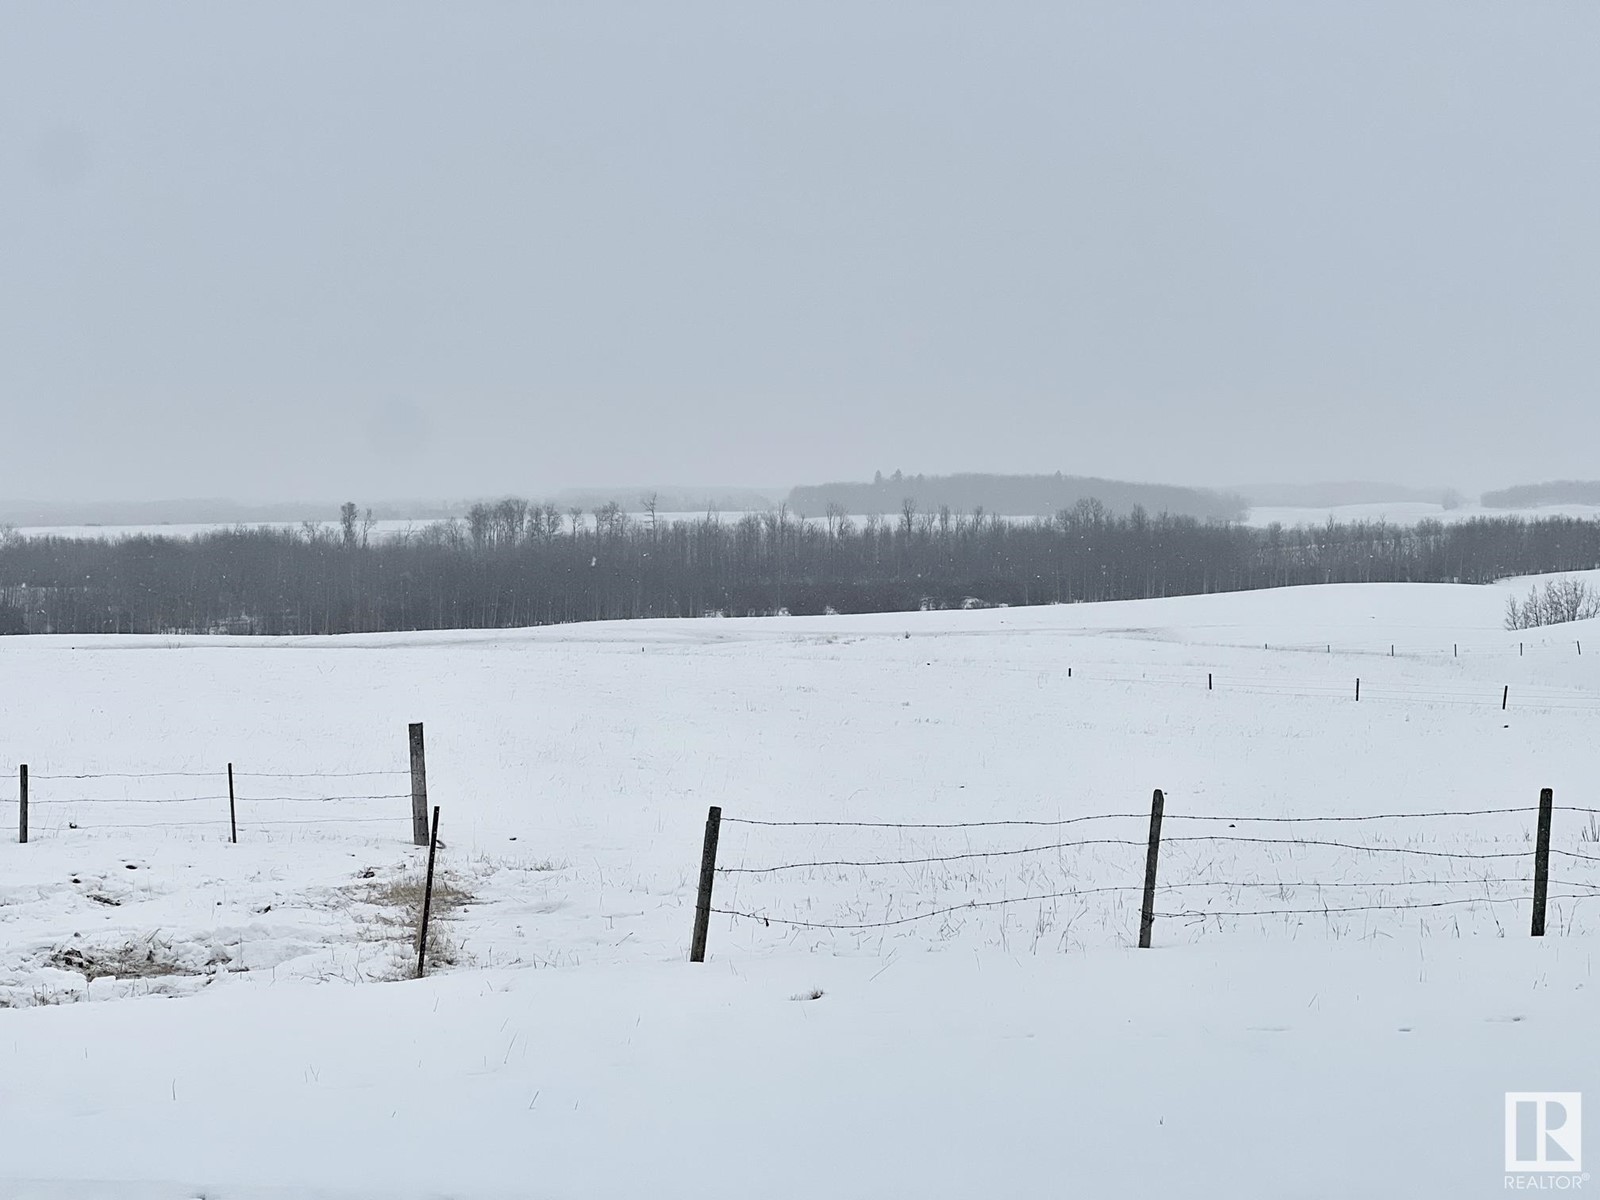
pixel 223 771
pixel 1462 854
pixel 1280 912
pixel 136 775
pixel 790 922
pixel 221 823
pixel 53 800
pixel 922 916
pixel 937 858
pixel 318 774
pixel 927 824
pixel 323 799
pixel 1575 854
pixel 1169 816
pixel 48 800
pixel 1139 844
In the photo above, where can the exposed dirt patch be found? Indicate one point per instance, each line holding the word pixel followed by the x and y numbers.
pixel 141 958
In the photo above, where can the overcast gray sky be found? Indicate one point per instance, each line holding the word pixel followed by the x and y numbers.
pixel 381 250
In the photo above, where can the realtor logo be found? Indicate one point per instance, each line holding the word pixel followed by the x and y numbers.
pixel 1544 1131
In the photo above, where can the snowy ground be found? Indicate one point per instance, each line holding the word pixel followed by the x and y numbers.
pixel 187 1017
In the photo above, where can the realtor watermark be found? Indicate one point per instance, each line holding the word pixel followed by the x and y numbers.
pixel 1544 1141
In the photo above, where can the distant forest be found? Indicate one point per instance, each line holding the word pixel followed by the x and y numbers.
pixel 515 564
pixel 1532 495
pixel 1014 495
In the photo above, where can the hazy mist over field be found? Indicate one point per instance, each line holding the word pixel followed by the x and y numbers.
pixel 734 600
pixel 304 251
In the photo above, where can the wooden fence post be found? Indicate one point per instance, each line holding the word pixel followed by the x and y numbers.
pixel 1358 690
pixel 1541 860
pixel 1208 681
pixel 427 894
pixel 708 876
pixel 419 788
pixel 233 816
pixel 1505 695
pixel 22 803
pixel 1147 914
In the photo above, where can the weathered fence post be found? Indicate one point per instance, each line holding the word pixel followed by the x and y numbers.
pixel 1541 860
pixel 1358 690
pixel 1147 914
pixel 1208 681
pixel 233 816
pixel 419 788
pixel 708 876
pixel 1505 695
pixel 427 894
pixel 22 803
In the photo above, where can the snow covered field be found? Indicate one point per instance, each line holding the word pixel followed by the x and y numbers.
pixel 186 1017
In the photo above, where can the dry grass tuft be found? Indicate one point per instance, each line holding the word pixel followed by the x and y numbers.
pixel 402 895
pixel 397 918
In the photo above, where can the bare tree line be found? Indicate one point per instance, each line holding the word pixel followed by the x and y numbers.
pixel 1561 600
pixel 516 562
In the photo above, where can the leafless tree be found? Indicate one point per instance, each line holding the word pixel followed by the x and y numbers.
pixel 1562 600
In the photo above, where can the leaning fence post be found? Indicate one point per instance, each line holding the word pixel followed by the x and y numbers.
pixel 419 788
pixel 233 817
pixel 22 803
pixel 1147 914
pixel 1541 860
pixel 1505 695
pixel 427 896
pixel 708 876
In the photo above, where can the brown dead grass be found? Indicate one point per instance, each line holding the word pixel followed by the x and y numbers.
pixel 396 918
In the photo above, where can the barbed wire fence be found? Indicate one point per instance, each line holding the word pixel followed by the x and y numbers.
pixel 1532 888
pixel 235 800
pixel 1359 689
